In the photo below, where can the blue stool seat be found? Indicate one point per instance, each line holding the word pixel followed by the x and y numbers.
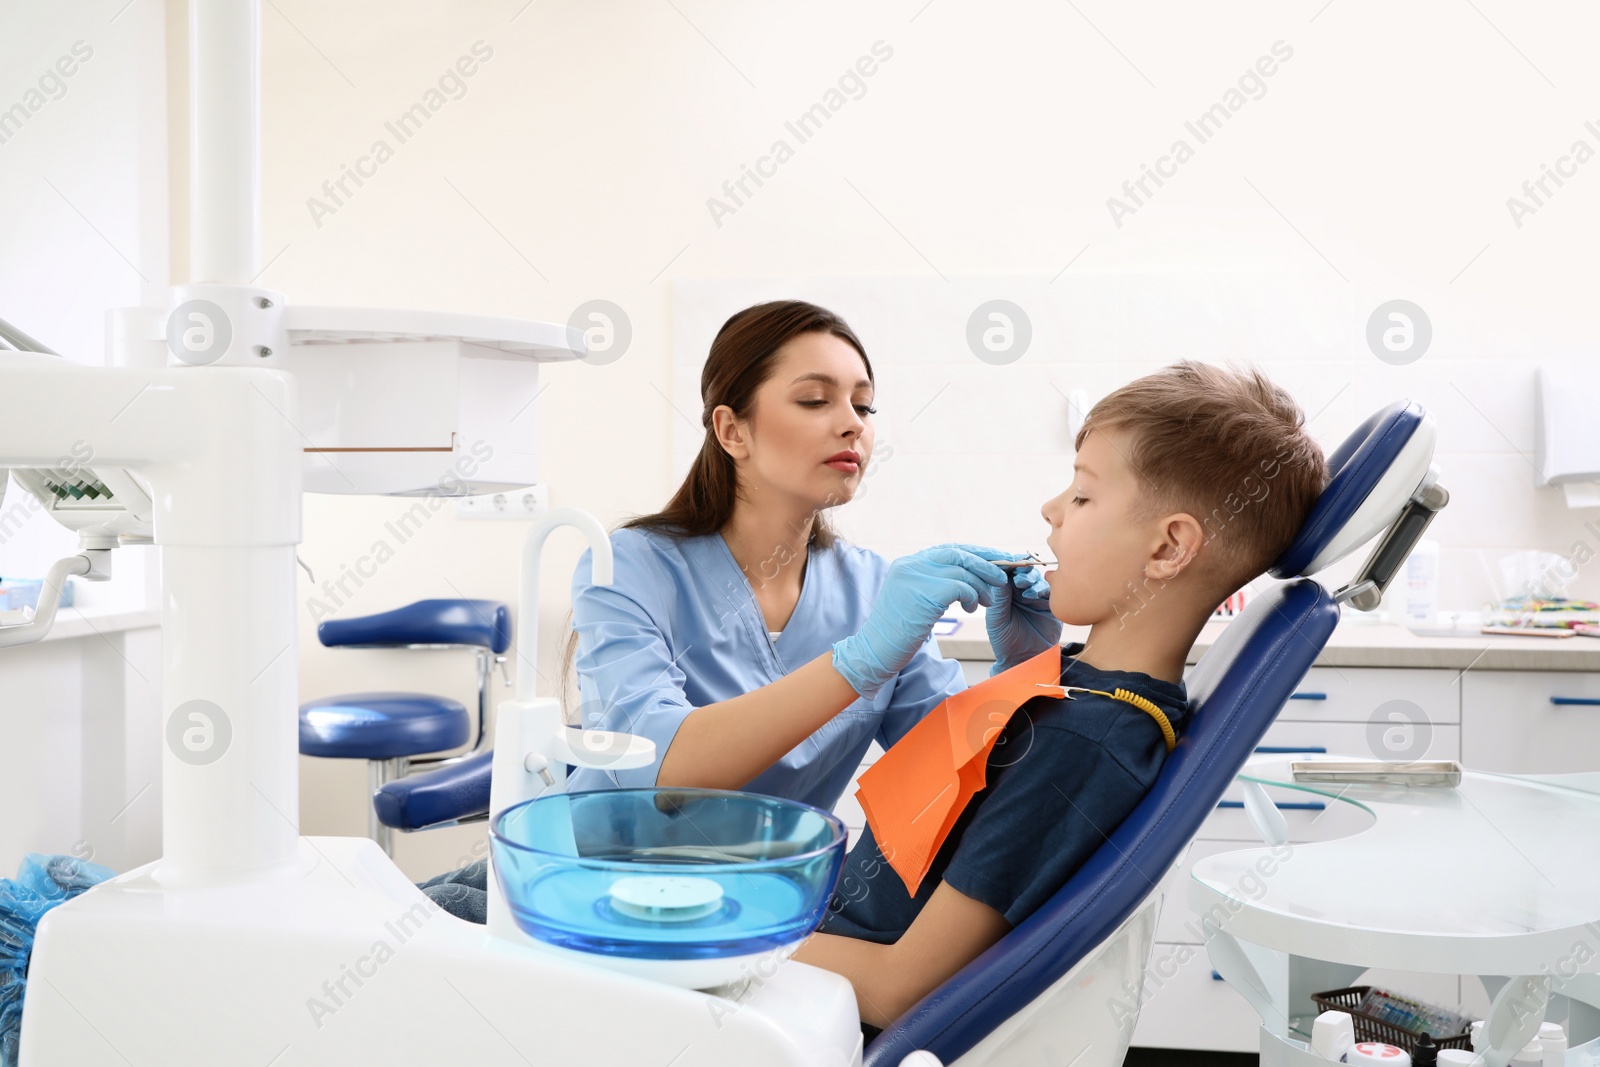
pixel 375 726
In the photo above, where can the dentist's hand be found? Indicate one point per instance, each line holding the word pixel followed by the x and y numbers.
pixel 1019 621
pixel 915 593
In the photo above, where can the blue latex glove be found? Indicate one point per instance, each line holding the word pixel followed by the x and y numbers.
pixel 915 593
pixel 1019 621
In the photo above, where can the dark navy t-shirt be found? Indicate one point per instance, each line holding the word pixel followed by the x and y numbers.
pixel 1061 776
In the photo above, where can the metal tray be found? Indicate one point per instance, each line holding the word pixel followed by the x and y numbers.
pixel 1443 772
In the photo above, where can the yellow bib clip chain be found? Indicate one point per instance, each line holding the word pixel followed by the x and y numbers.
pixel 1143 704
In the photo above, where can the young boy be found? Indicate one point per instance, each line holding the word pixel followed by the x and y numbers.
pixel 1187 484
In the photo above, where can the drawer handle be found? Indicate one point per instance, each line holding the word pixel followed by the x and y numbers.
pixel 1291 748
pixel 1576 701
pixel 1281 805
pixel 1308 696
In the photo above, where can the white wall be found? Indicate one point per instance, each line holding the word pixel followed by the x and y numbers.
pixel 83 176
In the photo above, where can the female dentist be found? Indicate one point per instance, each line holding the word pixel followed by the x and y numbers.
pixel 756 649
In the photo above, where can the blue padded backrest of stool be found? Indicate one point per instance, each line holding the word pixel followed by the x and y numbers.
pixel 1237 688
pixel 1354 469
pixel 486 623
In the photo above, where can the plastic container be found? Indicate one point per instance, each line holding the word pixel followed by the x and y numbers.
pixel 1532 1055
pixel 666 874
pixel 1332 1034
pixel 1422 584
pixel 1553 1042
pixel 1377 1052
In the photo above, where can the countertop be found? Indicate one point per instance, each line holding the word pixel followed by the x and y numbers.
pixel 1360 644
pixel 74 622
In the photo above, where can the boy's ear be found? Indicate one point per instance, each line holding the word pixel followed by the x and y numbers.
pixel 1183 537
pixel 730 434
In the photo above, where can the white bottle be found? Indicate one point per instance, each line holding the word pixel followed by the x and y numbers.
pixel 1553 1039
pixel 1422 584
pixel 1532 1055
pixel 1332 1034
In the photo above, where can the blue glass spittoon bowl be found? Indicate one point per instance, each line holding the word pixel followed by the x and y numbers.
pixel 688 886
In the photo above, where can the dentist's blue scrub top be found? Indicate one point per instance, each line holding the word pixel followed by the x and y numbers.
pixel 680 628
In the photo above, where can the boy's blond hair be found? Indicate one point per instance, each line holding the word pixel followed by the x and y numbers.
pixel 1228 447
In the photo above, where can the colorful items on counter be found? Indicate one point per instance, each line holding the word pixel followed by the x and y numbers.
pixel 1544 613
pixel 24 593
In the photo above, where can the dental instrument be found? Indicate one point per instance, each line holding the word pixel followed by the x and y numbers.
pixel 1032 561
pixel 1019 622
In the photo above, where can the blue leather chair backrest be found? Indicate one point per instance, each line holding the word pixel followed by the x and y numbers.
pixel 485 623
pixel 1238 687
pixel 1354 471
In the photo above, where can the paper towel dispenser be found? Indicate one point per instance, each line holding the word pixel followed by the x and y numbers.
pixel 1566 446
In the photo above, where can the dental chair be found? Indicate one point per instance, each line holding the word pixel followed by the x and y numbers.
pixel 1064 986
pixel 396 732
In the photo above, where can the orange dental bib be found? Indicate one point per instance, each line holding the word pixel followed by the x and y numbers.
pixel 918 789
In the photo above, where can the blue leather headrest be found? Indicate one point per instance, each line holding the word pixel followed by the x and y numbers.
pixel 1357 468
pixel 486 623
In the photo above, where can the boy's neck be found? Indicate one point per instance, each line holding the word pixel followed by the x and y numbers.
pixel 1151 641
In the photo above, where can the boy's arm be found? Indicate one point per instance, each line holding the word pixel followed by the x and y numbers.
pixel 950 932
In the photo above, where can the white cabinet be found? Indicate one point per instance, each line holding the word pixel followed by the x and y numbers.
pixel 1531 722
pixel 1350 711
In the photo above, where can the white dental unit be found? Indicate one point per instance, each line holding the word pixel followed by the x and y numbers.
pixel 247 943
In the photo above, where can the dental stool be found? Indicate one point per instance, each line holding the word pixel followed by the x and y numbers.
pixel 1065 985
pixel 396 733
